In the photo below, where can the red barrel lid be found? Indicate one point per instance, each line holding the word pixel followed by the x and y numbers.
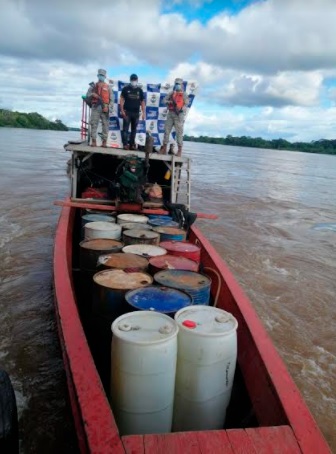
pixel 173 262
pixel 180 246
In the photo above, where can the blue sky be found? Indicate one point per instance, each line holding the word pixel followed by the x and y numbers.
pixel 264 68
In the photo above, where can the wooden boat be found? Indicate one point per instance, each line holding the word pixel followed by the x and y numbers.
pixel 267 413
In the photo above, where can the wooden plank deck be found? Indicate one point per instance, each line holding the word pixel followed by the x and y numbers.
pixel 121 153
pixel 260 440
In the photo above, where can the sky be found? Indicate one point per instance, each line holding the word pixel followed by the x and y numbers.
pixel 265 68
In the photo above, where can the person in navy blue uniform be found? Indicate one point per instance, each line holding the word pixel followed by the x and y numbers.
pixel 131 99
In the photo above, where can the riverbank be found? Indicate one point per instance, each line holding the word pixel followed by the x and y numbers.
pixel 322 146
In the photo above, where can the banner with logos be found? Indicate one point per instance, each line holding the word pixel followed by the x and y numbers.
pixel 156 112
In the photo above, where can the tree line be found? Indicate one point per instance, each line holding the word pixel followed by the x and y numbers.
pixel 318 146
pixel 31 120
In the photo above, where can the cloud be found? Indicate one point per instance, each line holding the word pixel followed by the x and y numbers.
pixel 262 71
pixel 230 87
pixel 267 36
pixel 291 123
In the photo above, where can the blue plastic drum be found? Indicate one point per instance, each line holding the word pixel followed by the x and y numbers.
pixel 161 299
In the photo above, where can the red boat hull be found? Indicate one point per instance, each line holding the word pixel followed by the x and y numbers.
pixel 286 425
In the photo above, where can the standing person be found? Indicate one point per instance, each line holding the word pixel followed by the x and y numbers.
pixel 131 98
pixel 177 101
pixel 100 98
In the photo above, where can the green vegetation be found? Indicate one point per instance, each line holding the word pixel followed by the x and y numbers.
pixel 29 120
pixel 318 146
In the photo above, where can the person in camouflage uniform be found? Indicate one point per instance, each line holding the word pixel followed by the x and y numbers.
pixel 177 102
pixel 100 98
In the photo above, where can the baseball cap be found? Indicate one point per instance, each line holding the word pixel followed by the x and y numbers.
pixel 102 72
pixel 133 77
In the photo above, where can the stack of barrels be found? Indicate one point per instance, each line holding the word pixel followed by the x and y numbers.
pixel 140 272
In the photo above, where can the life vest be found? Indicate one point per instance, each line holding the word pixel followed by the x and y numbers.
pixel 102 90
pixel 177 96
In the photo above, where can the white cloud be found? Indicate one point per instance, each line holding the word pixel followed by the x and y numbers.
pixel 274 54
pixel 267 36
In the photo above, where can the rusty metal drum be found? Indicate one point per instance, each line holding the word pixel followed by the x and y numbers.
pixel 170 233
pixel 138 236
pixel 183 249
pixel 171 262
pixel 91 250
pixel 195 284
pixel 123 261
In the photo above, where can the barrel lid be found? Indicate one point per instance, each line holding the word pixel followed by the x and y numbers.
pixel 206 320
pixel 160 216
pixel 98 217
pixel 127 217
pixel 139 233
pixel 182 279
pixel 179 246
pixel 100 244
pixel 169 230
pixel 156 298
pixel 135 225
pixel 144 327
pixel 102 225
pixel 165 222
pixel 146 250
pixel 172 262
pixel 120 280
pixel 123 261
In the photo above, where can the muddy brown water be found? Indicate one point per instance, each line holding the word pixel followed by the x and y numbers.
pixel 276 230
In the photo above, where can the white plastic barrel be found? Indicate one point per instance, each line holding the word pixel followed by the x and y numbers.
pixel 126 217
pixel 101 229
pixel 144 348
pixel 206 362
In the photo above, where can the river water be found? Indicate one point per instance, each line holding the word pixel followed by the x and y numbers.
pixel 276 230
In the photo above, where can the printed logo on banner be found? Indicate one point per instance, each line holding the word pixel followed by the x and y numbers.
pixel 161 125
pixel 153 87
pixel 161 138
pixel 151 125
pixel 156 139
pixel 191 98
pixel 140 138
pixel 166 86
pixel 114 139
pixel 152 99
pixel 162 98
pixel 141 126
pixel 192 87
pixel 163 113
pixel 152 113
pixel 114 124
pixel 121 85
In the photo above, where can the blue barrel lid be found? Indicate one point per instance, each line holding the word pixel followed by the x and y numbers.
pixel 159 216
pixel 163 222
pixel 183 280
pixel 157 298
